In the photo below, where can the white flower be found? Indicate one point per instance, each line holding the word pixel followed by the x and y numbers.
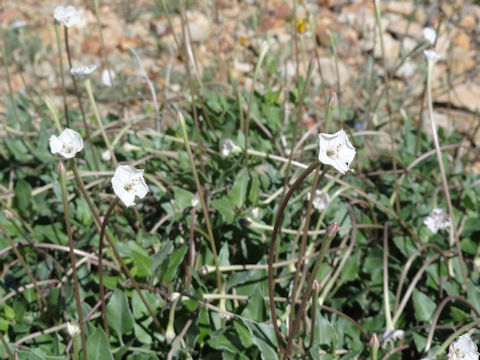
pixel 73 329
pixel 106 156
pixel 336 150
pixel 107 77
pixel 437 220
pixel 390 336
pixel 83 71
pixel 463 348
pixel 127 183
pixel 67 144
pixel 430 35
pixel 320 200
pixel 227 147
pixel 431 55
pixel 66 15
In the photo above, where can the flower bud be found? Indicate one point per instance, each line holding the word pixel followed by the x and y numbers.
pixel 8 215
pixel 61 170
pixel 374 345
pixel 73 330
pixel 332 229
pixel 316 285
pixel 174 296
pixel 332 99
pixel 106 156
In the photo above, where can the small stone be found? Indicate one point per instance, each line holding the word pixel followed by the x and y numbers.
pixel 330 74
pixel 462 40
pixel 400 7
pixel 468 22
pixel 463 96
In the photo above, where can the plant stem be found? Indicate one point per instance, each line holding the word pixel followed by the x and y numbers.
pixel 453 228
pixel 329 236
pixel 378 18
pixel 99 224
pixel 186 61
pixel 63 187
pixel 278 221
pixel 80 105
pixel 88 86
pixel 100 267
pixel 181 121
pixel 104 51
pixel 301 253
pixel 7 348
pixel 388 314
pixel 62 75
pixel 294 140
pixel 261 57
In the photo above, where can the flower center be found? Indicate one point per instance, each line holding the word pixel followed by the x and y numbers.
pixel 128 187
pixel 67 147
pixel 334 152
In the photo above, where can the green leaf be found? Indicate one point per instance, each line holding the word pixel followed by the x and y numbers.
pixel 243 334
pixel 424 306
pixel 263 336
pixel 254 193
pixel 255 307
pixel 224 207
pixel 120 317
pixel 173 263
pixel 473 294
pixel 98 347
pixel 183 198
pixel 239 190
pixel 23 195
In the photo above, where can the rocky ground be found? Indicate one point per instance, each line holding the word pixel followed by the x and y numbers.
pixel 226 36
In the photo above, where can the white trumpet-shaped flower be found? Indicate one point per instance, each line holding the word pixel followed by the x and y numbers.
pixel 66 15
pixel 107 77
pixel 227 147
pixel 431 55
pixel 127 183
pixel 390 336
pixel 336 150
pixel 320 199
pixel 67 144
pixel 83 71
pixel 430 35
pixel 437 220
pixel 463 349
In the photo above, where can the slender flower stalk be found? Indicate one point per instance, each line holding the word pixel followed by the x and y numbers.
pixel 63 186
pixel 261 57
pixel 170 332
pixel 88 86
pixel 386 299
pixel 117 255
pixel 183 129
pixel 378 18
pixel 329 236
pixel 432 58
pixel 294 141
pixel 79 100
pixel 7 348
pixel 102 44
pixel 62 74
pixel 313 311
pixel 100 267
pixel 303 243
pixel 271 252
